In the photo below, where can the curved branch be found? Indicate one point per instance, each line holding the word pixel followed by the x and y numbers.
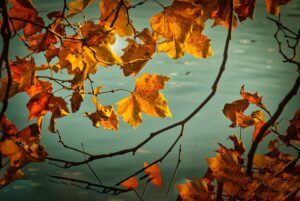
pixel 269 123
pixel 158 132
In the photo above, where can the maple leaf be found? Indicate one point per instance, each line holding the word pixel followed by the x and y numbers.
pixel 19 156
pixel 145 98
pixel 252 98
pixel 77 6
pixel 104 115
pixel 23 9
pixel 154 174
pixel 195 190
pixel 181 25
pixel 41 103
pixel 96 34
pixel 227 168
pixel 131 183
pixel 273 6
pixel 137 55
pixel 110 9
pixel 23 72
pixel 234 109
pixel 39 86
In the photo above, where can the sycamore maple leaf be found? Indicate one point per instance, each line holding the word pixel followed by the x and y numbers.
pixel 145 98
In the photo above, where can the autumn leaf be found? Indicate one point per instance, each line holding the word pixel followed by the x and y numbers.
pixel 154 174
pixel 96 34
pixel 20 155
pixel 227 168
pixel 257 128
pixel 137 55
pixel 42 103
pixel 246 9
pixel 273 6
pixel 234 111
pixel 145 98
pixel 39 86
pixel 116 11
pixel 293 131
pixel 131 183
pixel 7 126
pixel 252 98
pixel 77 6
pixel 181 25
pixel 77 98
pixel 104 115
pixel 195 190
pixel 24 10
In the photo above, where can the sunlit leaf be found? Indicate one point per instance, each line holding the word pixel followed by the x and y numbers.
pixel 154 174
pixel 145 98
pixel 131 183
pixel 77 6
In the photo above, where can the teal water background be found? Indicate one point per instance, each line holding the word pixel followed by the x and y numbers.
pixel 253 60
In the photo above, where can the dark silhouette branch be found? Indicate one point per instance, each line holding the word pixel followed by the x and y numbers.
pixel 152 135
pixel 175 170
pixel 4 58
pixel 269 123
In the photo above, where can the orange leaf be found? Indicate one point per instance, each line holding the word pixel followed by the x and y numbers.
pixel 8 126
pixel 195 190
pixel 131 183
pixel 252 98
pixel 154 174
pixel 257 128
pixel 273 6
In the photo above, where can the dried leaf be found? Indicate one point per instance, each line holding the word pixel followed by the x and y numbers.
pixel 231 110
pixel 195 190
pixel 77 6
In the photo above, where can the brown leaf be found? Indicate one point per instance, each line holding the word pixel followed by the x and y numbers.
pixel 252 98
pixel 273 6
pixel 234 109
pixel 8 126
pixel 137 55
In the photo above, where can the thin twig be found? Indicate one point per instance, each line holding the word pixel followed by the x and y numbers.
pixel 175 171
pixel 90 167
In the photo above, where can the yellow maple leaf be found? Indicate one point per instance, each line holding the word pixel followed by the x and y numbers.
pixel 145 98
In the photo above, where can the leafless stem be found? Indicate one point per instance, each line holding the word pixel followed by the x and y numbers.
pixel 90 167
pixel 175 171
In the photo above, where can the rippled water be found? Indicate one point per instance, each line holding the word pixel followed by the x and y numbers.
pixel 253 61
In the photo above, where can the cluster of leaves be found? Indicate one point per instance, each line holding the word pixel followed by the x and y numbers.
pixel 276 176
pixel 78 49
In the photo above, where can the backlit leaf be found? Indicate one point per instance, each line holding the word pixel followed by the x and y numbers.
pixel 131 183
pixel 154 174
pixel 145 98
pixel 77 6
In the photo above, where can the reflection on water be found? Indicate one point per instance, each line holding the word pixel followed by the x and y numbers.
pixel 253 61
